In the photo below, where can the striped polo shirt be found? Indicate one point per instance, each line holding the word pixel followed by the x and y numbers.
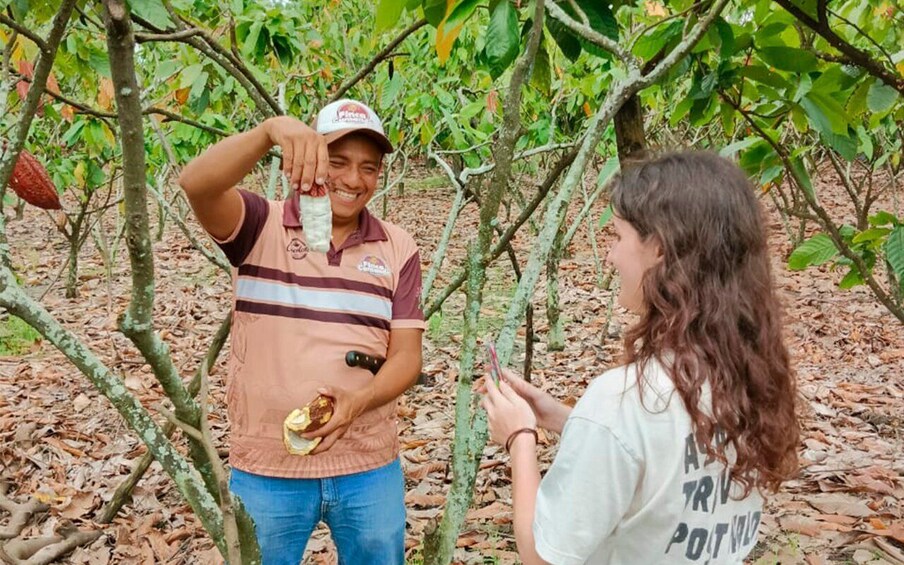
pixel 297 313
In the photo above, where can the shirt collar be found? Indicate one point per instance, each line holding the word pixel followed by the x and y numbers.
pixel 368 226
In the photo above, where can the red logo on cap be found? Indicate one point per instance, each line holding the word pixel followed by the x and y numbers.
pixel 353 113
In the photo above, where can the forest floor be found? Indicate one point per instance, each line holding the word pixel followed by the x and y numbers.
pixel 64 444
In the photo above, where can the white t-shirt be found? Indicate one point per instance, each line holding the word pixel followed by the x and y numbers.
pixel 630 485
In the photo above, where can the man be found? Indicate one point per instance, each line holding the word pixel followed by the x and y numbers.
pixel 297 313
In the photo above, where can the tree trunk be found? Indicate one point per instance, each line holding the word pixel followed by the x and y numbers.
pixel 137 323
pixel 470 427
pixel 72 275
pixel 555 338
pixel 629 132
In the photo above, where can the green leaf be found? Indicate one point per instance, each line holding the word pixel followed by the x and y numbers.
pixel 608 171
pixel 434 11
pixel 804 86
pixel 391 91
pixel 763 75
pixel 541 75
pixel 602 20
pixel 802 175
pixel 865 143
pixel 729 120
pixel 99 61
pixel 817 250
pixel 844 145
pixel 826 114
pixel 834 79
pixel 726 37
pixel 883 218
pixel 871 234
pixel 503 40
pixel 789 59
pixel 152 11
pixel 249 46
pixel 606 216
pixel 730 150
pixel 680 111
pixel 567 42
pixel 461 12
pixel 198 86
pixel 189 74
pixel 808 7
pixel 851 279
pixel 388 14
pixel 756 157
pixel 894 253
pixel 881 97
pixel 765 34
pixel 653 41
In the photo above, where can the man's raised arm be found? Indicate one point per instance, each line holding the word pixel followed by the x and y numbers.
pixel 209 180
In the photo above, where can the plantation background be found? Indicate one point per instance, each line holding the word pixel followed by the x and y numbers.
pixel 510 118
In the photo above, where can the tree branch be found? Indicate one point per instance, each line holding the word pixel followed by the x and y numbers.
pixel 439 545
pixel 682 49
pixel 124 490
pixel 137 323
pixel 20 513
pixel 379 57
pixel 591 35
pixel 205 43
pixel 189 483
pixel 174 36
pixel 85 109
pixel 824 218
pixel 35 38
pixel 553 176
pixel 33 98
pixel 857 56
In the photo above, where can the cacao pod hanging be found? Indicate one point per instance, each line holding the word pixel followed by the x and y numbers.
pixel 32 184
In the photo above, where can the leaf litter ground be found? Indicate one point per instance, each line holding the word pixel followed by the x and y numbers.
pixel 64 444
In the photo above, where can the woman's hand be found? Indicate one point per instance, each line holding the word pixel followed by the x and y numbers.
pixel 506 412
pixel 551 414
pixel 305 159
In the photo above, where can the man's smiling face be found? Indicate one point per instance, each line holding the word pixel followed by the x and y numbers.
pixel 355 166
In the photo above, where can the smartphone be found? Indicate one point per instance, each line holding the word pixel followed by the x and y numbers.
pixel 495 371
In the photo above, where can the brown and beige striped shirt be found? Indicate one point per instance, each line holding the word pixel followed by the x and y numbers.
pixel 297 313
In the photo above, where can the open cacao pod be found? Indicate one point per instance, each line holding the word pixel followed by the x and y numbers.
pixel 309 418
pixel 32 184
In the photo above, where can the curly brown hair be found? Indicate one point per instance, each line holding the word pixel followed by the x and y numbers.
pixel 710 312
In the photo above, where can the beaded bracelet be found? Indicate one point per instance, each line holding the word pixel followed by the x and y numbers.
pixel 511 438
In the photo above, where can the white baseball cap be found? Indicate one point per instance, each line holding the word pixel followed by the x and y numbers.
pixel 345 116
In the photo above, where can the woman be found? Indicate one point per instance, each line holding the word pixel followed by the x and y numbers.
pixel 665 458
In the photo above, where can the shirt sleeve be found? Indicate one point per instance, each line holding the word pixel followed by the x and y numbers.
pixel 406 300
pixel 593 471
pixel 238 245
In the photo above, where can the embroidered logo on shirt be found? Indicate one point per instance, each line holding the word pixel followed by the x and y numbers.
pixel 374 265
pixel 297 249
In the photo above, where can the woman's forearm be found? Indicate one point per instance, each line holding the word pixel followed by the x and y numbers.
pixel 525 484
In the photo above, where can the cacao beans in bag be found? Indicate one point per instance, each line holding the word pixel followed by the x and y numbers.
pixel 316 218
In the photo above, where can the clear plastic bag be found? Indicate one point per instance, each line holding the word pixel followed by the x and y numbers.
pixel 316 220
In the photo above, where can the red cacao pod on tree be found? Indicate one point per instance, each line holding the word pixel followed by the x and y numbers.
pixel 32 184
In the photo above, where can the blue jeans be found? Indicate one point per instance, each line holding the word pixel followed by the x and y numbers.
pixel 364 511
